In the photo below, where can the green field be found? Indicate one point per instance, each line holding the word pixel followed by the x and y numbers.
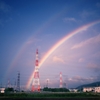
pixel 50 95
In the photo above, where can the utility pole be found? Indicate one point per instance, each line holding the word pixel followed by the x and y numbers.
pixel 18 82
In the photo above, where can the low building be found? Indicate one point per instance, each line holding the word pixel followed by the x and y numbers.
pixel 91 89
pixel 2 90
pixel 97 89
pixel 88 89
pixel 73 90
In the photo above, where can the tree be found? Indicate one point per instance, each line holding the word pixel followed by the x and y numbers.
pixel 8 90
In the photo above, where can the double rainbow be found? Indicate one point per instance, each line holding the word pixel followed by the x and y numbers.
pixel 79 30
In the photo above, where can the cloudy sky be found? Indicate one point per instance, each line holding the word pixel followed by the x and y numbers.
pixel 27 25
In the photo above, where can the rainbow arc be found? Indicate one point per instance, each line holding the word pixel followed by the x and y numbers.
pixel 60 42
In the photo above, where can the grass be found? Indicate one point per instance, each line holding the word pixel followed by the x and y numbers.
pixel 50 95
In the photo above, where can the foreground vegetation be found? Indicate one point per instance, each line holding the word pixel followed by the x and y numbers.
pixel 50 95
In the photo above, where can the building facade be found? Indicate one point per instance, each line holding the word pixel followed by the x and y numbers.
pixel 92 89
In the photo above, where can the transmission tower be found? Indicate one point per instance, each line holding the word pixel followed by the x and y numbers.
pixel 47 82
pixel 18 82
pixel 36 82
pixel 60 80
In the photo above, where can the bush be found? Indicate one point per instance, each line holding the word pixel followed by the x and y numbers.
pixel 56 89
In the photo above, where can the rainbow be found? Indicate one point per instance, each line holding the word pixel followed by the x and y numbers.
pixel 24 46
pixel 85 27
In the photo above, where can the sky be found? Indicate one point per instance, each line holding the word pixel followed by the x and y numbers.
pixel 66 34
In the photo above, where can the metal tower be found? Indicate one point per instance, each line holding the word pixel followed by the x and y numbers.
pixel 60 80
pixel 18 82
pixel 8 84
pixel 47 82
pixel 36 82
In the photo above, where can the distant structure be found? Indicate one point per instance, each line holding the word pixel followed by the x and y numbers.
pixel 8 84
pixel 14 84
pixel 18 82
pixel 60 80
pixel 47 82
pixel 36 82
